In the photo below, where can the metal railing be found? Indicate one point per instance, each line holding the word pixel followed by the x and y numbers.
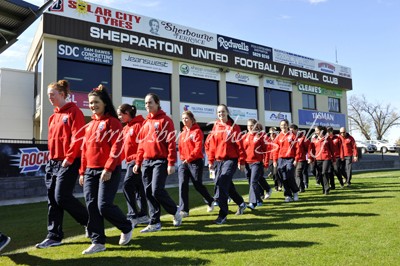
pixel 24 141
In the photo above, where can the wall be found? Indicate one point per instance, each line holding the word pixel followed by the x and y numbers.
pixel 16 104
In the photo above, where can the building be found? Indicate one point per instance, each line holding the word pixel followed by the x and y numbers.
pixel 189 69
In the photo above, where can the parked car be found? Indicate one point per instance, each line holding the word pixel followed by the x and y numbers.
pixel 366 147
pixel 383 145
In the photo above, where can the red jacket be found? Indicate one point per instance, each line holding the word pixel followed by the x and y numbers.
pixel 225 143
pixel 337 146
pixel 286 146
pixel 321 149
pixel 157 139
pixel 191 143
pixel 66 131
pixel 256 148
pixel 130 132
pixel 102 146
pixel 349 145
pixel 302 148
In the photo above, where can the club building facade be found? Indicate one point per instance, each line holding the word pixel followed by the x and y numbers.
pixel 189 69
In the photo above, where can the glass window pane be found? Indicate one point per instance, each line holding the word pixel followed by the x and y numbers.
pixel 280 101
pixel 334 105
pixel 84 76
pixel 195 90
pixel 138 83
pixel 309 101
pixel 241 96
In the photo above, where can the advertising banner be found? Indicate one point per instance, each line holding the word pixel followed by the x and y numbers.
pixel 242 113
pixel 242 47
pixel 84 53
pixel 319 90
pixel 202 112
pixel 146 62
pixel 141 108
pixel 199 71
pixel 275 117
pixel 97 33
pixel 23 159
pixel 317 118
pixel 278 84
pixel 242 78
pixel 86 11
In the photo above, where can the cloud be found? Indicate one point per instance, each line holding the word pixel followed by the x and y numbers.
pixel 316 1
pixel 285 17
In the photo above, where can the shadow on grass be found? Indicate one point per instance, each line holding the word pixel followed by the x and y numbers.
pixel 28 259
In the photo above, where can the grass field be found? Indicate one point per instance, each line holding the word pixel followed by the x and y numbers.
pixel 351 226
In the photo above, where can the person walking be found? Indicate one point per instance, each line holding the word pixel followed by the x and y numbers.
pixel 272 134
pixel 257 157
pixel 66 129
pixel 133 188
pixel 284 159
pixel 350 154
pixel 336 168
pixel 100 171
pixel 225 154
pixel 303 143
pixel 191 154
pixel 156 157
pixel 321 152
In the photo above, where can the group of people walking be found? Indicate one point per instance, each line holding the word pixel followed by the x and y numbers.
pixel 94 152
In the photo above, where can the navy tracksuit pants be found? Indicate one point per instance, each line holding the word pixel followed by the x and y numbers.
pixel 60 182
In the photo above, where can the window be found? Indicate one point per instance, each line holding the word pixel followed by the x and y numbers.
pixel 277 100
pixel 334 105
pixel 82 76
pixel 309 101
pixel 138 83
pixel 241 96
pixel 195 90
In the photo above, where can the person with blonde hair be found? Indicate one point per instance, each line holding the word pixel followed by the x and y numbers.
pixel 64 143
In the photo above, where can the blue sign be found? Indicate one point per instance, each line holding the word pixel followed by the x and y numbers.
pixel 85 53
pixel 317 118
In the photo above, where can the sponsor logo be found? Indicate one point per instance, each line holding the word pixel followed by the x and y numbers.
pixel 242 46
pixel 58 6
pixel 30 159
pixel 184 69
pixel 326 67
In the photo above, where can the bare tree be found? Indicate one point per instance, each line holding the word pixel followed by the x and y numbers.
pixel 372 118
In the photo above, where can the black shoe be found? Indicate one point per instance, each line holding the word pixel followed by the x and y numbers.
pixel 220 220
pixel 4 240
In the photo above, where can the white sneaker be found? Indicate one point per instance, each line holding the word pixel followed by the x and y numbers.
pixel 211 207
pixel 177 221
pixel 125 238
pixel 151 228
pixel 184 214
pixel 269 193
pixel 94 248
pixel 296 196
pixel 288 199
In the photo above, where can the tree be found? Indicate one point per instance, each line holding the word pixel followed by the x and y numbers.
pixel 372 118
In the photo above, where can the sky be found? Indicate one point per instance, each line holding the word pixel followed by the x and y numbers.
pixel 361 34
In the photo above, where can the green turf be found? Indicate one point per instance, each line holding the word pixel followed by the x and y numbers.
pixel 351 226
